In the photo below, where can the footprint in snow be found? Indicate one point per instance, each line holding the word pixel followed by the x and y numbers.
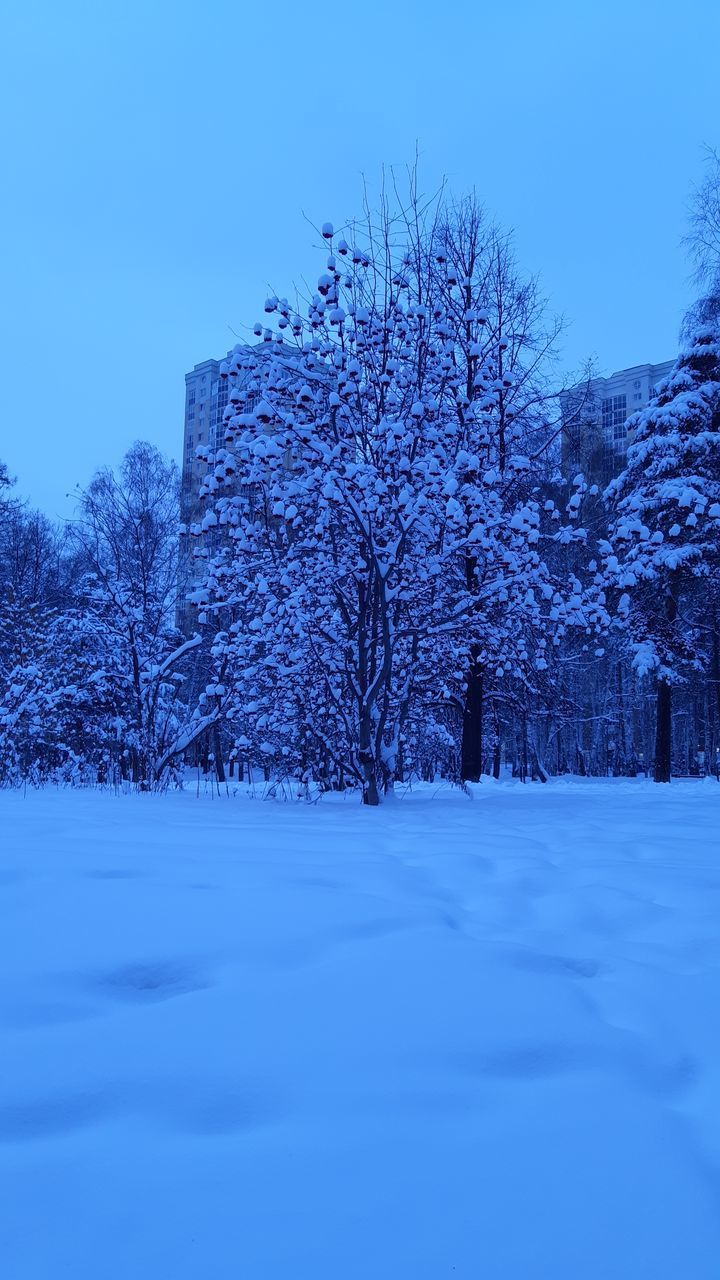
pixel 205 1108
pixel 531 1061
pixel 152 981
pixel 540 962
pixel 668 1078
pixel 35 1119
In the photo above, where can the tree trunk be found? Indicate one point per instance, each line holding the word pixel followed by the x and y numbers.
pixel 471 751
pixel 714 760
pixel 663 732
pixel 371 794
pixel 539 770
pixel 497 757
pixel 217 746
pixel 663 721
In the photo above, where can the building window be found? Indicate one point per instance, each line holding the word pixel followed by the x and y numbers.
pixel 191 397
pixel 638 395
pixel 191 414
pixel 614 413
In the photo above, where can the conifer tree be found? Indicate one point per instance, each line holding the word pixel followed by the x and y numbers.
pixel 664 542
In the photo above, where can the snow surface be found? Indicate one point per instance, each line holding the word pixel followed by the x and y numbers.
pixel 462 1038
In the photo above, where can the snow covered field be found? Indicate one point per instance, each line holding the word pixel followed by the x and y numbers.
pixel 462 1038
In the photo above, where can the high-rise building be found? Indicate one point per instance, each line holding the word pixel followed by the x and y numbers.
pixel 595 414
pixel 206 395
pixel 207 390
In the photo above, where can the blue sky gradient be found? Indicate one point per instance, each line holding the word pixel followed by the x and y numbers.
pixel 158 159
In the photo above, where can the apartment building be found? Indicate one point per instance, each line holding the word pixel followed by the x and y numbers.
pixel 595 417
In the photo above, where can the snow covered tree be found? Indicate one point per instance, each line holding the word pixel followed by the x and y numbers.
pixel 59 706
pixel 664 552
pixel 36 581
pixel 383 515
pixel 503 350
pixel 126 538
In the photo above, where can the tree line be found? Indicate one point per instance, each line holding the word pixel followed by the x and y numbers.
pixel 391 570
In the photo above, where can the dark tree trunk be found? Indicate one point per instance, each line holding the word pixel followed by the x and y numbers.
pixel 663 722
pixel 471 752
pixel 622 727
pixel 663 732
pixel 714 764
pixel 217 746
pixel 371 794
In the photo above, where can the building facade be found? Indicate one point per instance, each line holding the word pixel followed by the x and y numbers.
pixel 595 433
pixel 206 396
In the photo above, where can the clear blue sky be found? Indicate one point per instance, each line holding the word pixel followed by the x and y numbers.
pixel 158 157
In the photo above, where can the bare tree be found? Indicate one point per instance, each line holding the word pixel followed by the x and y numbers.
pixel 703 238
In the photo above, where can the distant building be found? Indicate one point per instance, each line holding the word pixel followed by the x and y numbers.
pixel 206 398
pixel 595 414
pixel 206 395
